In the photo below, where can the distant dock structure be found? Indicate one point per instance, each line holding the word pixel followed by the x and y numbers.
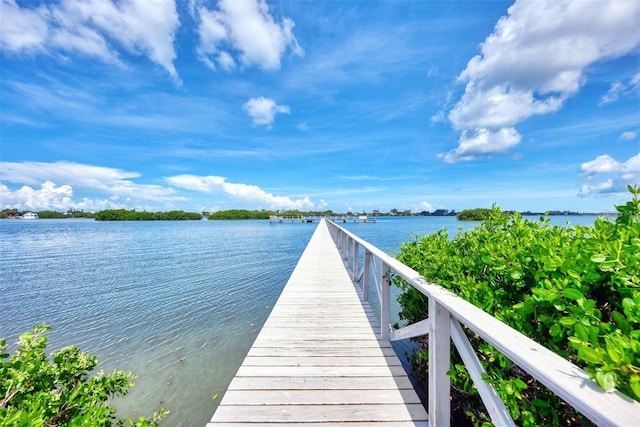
pixel 315 219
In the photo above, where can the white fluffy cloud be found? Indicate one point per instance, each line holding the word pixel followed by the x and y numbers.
pixel 263 110
pixel 534 60
pixel 597 188
pixel 22 29
pixel 426 206
pixel 245 32
pixel 114 183
pixel 245 192
pixel 90 27
pixel 601 164
pixel 482 142
pixel 51 197
pixel 48 196
pixel 618 175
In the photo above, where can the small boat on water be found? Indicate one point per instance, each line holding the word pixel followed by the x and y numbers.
pixel 29 215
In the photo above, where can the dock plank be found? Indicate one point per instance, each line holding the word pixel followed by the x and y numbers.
pixel 318 360
pixel 317 413
pixel 321 383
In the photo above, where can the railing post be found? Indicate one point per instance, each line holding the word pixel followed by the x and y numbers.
pixel 439 407
pixel 356 255
pixel 385 302
pixel 345 246
pixel 349 251
pixel 367 275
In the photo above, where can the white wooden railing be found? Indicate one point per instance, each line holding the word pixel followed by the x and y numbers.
pixel 447 314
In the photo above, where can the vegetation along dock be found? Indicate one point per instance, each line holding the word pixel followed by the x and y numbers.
pixel 324 357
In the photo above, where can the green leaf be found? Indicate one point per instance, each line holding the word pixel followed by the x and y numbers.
pixel 573 293
pixel 581 332
pixel 634 382
pixel 589 355
pixel 551 296
pixel 588 305
pixel 521 385
pixel 627 303
pixel 574 274
pixel 559 306
pixel 567 321
pixel 614 350
pixel 541 403
pixel 598 258
pixel 575 340
pixel 606 380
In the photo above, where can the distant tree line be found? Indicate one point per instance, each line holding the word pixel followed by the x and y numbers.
pixel 239 214
pixel 133 215
pixel 477 214
pixel 70 214
pixel 14 213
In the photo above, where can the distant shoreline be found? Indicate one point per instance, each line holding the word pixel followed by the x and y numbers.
pixel 240 214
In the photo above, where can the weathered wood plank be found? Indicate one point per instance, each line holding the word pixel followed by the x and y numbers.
pixel 317 327
pixel 321 351
pixel 327 343
pixel 318 360
pixel 321 383
pixel 319 335
pixel 273 361
pixel 320 371
pixel 318 413
pixel 320 397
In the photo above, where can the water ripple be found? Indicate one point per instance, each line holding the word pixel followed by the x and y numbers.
pixel 177 303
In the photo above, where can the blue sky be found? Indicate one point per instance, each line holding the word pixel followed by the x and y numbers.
pixel 342 105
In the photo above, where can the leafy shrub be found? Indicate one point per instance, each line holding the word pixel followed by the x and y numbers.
pixel 132 215
pixel 477 214
pixel 575 290
pixel 239 214
pixel 35 391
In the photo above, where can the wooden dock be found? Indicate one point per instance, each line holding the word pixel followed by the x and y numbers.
pixel 318 359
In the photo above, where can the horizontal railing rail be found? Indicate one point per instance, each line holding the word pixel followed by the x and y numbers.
pixel 448 314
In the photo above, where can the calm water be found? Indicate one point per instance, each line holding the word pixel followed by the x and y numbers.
pixel 177 303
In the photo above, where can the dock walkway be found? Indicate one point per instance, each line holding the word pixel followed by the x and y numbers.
pixel 318 359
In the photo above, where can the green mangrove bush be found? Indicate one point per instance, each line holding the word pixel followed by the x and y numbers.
pixel 575 290
pixel 133 215
pixel 38 391
pixel 477 214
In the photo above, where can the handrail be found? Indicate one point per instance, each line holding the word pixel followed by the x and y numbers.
pixel 446 313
